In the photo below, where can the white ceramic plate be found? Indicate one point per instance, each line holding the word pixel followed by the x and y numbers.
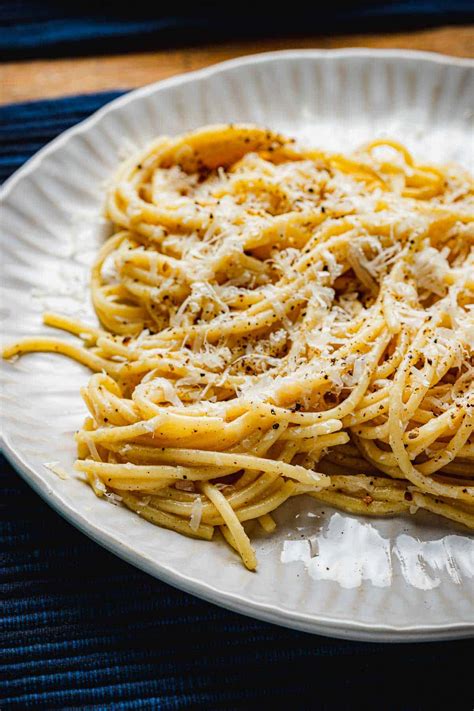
pixel 322 571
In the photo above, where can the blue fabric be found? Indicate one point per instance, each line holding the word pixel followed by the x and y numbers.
pixel 81 629
pixel 25 128
pixel 48 28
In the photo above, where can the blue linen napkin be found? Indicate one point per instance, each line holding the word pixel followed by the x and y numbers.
pixel 81 629
pixel 49 28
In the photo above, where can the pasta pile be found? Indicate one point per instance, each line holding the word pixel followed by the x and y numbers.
pixel 279 321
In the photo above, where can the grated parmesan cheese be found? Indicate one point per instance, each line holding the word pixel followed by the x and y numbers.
pixel 57 469
pixel 196 514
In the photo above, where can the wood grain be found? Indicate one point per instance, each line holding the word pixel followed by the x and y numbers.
pixel 21 81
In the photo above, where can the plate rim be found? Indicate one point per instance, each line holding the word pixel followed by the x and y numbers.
pixel 268 612
pixel 256 58
pixel 325 626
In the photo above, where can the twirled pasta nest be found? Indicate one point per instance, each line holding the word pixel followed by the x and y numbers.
pixel 279 321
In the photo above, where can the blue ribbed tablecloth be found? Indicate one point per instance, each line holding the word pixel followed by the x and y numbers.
pixel 80 629
pixel 50 28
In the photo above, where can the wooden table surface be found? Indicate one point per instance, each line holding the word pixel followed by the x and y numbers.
pixel 39 79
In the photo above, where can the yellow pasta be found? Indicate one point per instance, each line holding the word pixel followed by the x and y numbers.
pixel 278 321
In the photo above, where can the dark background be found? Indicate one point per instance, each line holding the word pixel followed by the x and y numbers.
pixel 80 629
pixel 55 28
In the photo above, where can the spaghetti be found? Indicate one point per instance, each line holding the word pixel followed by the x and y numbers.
pixel 277 321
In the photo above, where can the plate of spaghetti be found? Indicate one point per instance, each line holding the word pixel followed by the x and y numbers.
pixel 238 337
